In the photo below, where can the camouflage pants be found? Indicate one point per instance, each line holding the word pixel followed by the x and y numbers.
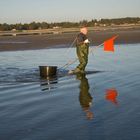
pixel 82 53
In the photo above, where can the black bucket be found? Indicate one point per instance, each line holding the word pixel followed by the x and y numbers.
pixel 46 71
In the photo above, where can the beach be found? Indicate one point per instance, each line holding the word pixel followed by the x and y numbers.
pixel 29 42
pixel 102 104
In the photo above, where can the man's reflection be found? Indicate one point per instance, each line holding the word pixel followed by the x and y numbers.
pixel 84 96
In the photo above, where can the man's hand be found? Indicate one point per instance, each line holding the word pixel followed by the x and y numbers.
pixel 86 41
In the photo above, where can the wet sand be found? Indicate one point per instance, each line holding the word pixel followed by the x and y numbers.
pixel 30 42
pixel 98 106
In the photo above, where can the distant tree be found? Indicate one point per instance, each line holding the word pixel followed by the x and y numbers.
pixel 83 23
pixel 33 26
pixel 5 27
pixel 25 26
pixel 45 25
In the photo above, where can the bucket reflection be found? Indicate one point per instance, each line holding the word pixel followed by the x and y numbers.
pixel 48 83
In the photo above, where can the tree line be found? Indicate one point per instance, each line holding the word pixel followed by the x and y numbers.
pixel 46 25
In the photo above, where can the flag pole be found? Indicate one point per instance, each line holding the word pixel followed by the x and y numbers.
pixel 91 51
pixel 71 62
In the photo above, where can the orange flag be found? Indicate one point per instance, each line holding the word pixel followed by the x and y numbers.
pixel 109 44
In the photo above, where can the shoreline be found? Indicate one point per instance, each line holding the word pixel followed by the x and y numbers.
pixel 35 42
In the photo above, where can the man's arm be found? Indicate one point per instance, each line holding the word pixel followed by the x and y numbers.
pixel 82 39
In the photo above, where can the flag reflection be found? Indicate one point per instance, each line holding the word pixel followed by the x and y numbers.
pixel 111 95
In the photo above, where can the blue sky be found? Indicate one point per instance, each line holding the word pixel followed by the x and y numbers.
pixel 16 11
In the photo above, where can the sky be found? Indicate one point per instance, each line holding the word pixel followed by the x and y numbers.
pixel 26 11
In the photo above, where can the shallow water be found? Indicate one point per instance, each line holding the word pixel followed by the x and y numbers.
pixel 102 106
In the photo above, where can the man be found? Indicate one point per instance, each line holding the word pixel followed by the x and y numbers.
pixel 82 49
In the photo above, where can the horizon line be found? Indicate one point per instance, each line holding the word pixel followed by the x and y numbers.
pixel 98 19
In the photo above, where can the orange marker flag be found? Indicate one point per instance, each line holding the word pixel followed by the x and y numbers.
pixel 109 44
